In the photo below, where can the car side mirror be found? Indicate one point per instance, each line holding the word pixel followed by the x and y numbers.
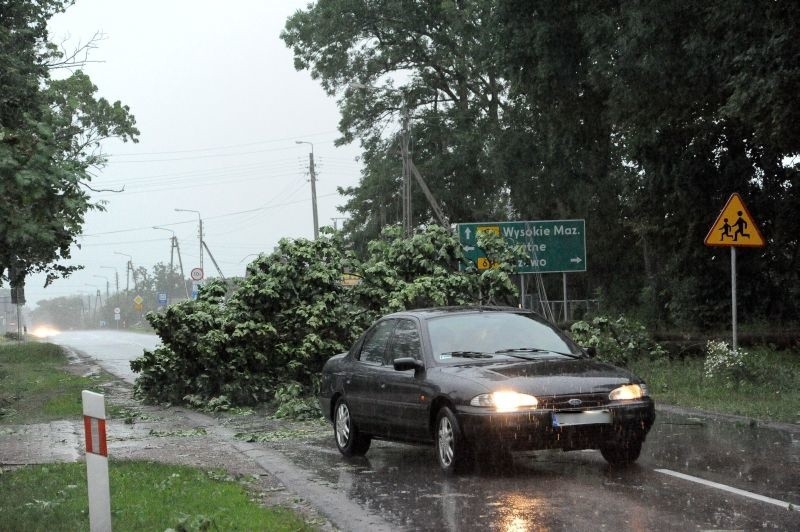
pixel 591 351
pixel 406 363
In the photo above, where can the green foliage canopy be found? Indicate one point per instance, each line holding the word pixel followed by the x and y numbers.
pixel 50 135
pixel 640 117
pixel 293 311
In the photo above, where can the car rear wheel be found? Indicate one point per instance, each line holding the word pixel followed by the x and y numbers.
pixel 452 451
pixel 622 452
pixel 349 440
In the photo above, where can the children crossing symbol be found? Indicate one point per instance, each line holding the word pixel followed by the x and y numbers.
pixel 734 227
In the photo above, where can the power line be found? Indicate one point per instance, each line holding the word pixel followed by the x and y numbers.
pixel 236 213
pixel 211 148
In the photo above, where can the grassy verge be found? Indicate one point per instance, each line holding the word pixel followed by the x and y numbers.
pixel 771 393
pixel 144 496
pixel 34 387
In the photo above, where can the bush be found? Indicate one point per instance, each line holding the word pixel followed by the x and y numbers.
pixel 728 365
pixel 292 312
pixel 618 341
pixel 294 404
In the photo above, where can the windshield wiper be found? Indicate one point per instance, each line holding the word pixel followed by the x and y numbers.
pixel 512 352
pixel 467 354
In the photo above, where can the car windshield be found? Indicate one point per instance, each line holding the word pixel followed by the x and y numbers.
pixel 496 335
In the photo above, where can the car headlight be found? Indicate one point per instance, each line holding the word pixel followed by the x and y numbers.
pixel 505 401
pixel 629 391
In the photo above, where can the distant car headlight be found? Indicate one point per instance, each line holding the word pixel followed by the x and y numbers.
pixel 629 391
pixel 505 401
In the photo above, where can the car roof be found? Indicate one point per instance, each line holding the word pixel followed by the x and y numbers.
pixel 433 312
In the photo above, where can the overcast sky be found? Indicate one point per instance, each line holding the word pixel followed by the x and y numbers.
pixel 220 106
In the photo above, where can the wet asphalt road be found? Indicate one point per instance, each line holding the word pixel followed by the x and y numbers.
pixel 112 350
pixel 550 489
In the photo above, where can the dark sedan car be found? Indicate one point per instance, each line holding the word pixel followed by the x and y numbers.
pixel 481 380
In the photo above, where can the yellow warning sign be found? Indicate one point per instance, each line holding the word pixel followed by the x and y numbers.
pixel 489 229
pixel 735 227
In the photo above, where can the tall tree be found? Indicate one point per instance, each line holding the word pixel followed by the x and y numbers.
pixel 435 59
pixel 639 116
pixel 50 135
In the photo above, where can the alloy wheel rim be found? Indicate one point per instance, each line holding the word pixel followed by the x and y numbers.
pixel 445 442
pixel 342 425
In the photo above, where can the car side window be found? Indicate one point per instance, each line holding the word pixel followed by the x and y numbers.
pixel 374 347
pixel 405 341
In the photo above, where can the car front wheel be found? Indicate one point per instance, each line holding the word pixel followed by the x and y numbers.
pixel 622 452
pixel 349 440
pixel 452 451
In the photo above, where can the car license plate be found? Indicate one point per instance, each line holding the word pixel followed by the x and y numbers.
pixel 589 417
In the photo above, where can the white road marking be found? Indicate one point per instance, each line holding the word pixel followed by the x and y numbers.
pixel 730 489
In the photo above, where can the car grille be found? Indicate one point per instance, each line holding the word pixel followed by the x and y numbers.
pixel 562 402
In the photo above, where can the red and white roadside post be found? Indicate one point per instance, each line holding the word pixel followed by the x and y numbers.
pixel 94 422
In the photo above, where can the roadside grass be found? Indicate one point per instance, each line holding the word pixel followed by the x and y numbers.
pixel 772 393
pixel 34 386
pixel 144 496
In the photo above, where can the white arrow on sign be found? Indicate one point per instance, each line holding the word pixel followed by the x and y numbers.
pixel 576 260
pixel 467 232
pixel 469 248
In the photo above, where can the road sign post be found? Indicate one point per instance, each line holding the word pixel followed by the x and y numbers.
pixel 553 246
pixel 735 227
pixel 94 419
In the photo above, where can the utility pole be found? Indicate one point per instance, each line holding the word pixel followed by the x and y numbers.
pixel 214 261
pixel 200 231
pixel 406 154
pixel 128 271
pixel 116 276
pixel 180 262
pixel 106 278
pixel 409 168
pixel 173 248
pixel 312 172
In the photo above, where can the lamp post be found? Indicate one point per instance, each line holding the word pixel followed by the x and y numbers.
pixel 106 278
pixel 175 247
pixel 96 298
pixel 313 174
pixel 116 276
pixel 128 271
pixel 200 232
pixel 172 239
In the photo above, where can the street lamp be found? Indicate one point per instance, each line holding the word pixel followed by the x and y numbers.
pixel 116 275
pixel 173 247
pixel 313 174
pixel 106 278
pixel 172 240
pixel 96 298
pixel 128 271
pixel 200 219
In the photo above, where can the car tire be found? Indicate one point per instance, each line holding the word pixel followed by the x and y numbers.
pixel 622 452
pixel 349 440
pixel 452 451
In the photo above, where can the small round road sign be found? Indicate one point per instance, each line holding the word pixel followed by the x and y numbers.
pixel 196 274
pixel 117 310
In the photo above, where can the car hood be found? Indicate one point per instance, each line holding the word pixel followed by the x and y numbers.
pixel 545 377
